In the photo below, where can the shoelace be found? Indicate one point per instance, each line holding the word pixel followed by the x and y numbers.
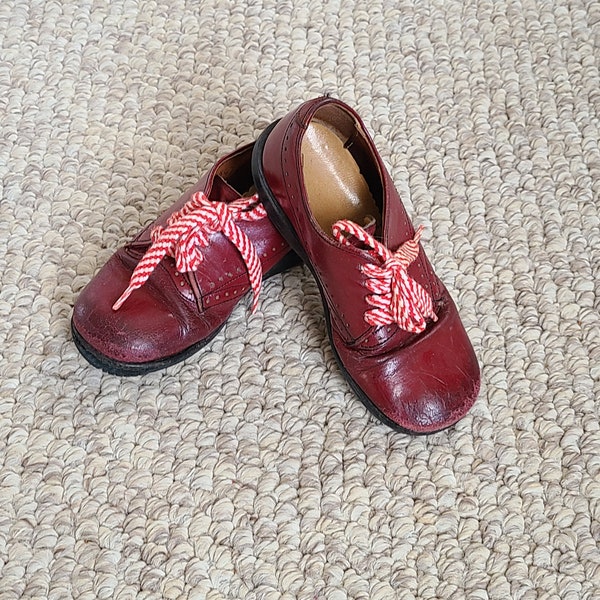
pixel 189 230
pixel 395 296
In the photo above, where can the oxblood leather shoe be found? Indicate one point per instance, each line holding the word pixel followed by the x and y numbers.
pixel 167 293
pixel 394 329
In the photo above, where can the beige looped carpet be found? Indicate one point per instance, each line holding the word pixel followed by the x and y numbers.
pixel 251 471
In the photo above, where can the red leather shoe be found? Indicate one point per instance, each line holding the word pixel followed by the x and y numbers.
pixel 394 329
pixel 167 293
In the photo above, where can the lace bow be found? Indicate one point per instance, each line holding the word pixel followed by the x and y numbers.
pixel 189 230
pixel 395 297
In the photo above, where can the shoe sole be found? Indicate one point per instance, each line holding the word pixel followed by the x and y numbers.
pixel 286 229
pixel 128 369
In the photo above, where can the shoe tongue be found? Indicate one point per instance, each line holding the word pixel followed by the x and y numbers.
pixel 221 191
pixel 369 225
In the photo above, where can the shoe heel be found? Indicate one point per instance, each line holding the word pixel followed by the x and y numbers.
pixel 274 211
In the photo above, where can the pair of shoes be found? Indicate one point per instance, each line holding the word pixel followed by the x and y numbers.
pixel 312 188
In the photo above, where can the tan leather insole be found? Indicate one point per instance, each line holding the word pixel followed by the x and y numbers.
pixel 335 186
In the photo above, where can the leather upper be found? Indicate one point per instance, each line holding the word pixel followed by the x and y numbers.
pixel 422 382
pixel 173 311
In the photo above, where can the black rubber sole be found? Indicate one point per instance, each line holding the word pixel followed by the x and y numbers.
pixel 115 367
pixel 126 369
pixel 285 228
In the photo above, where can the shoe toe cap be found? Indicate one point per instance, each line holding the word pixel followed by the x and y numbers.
pixel 142 330
pixel 427 385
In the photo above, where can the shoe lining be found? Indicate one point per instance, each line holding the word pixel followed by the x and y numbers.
pixel 335 186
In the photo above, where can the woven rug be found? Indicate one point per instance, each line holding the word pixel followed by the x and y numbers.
pixel 251 470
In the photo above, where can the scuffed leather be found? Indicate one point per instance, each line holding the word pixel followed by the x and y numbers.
pixel 422 383
pixel 172 311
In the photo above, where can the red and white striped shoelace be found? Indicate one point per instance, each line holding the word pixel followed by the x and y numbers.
pixel 189 230
pixel 395 296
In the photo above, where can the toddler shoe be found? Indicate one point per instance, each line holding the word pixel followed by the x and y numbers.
pixel 394 328
pixel 167 293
